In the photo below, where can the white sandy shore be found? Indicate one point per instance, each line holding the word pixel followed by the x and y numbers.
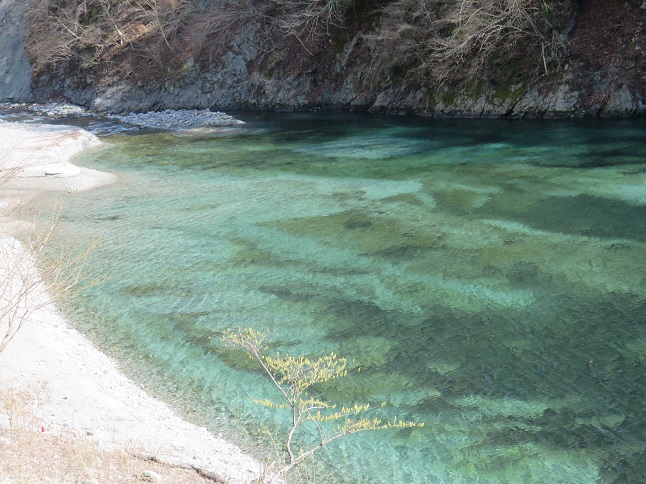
pixel 87 393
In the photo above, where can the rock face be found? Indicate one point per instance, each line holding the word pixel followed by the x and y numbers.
pixel 213 90
pixel 15 69
pixel 245 77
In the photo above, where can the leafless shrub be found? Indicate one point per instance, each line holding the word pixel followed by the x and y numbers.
pixel 481 31
pixel 165 16
pixel 155 27
pixel 62 30
pixel 95 31
pixel 21 405
pixel 214 26
pixel 31 451
pixel 309 20
pixel 453 41
pixel 33 273
pixel 310 15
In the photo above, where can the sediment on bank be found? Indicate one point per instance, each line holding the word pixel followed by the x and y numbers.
pixel 87 396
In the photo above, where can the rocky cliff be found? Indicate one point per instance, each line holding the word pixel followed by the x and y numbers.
pixel 578 58
pixel 15 68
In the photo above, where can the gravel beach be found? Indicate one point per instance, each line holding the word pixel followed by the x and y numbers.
pixel 87 393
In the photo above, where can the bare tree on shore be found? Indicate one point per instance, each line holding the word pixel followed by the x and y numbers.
pixel 33 271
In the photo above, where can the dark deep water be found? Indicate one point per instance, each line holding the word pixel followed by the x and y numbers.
pixel 488 277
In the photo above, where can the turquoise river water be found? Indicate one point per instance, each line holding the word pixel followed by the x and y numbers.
pixel 487 278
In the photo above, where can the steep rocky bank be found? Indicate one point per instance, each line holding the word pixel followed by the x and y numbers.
pixel 252 62
pixel 15 69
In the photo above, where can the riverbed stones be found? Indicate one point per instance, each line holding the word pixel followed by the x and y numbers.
pixel 178 120
pixel 173 120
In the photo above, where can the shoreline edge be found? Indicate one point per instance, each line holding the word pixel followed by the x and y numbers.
pixel 87 394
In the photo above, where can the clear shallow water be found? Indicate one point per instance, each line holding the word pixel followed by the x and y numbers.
pixel 489 279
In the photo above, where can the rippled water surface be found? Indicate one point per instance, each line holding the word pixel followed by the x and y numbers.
pixel 487 277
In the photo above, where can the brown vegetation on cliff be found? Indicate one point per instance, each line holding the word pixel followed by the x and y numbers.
pixel 461 45
pixel 430 39
pixel 473 41
pixel 609 47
